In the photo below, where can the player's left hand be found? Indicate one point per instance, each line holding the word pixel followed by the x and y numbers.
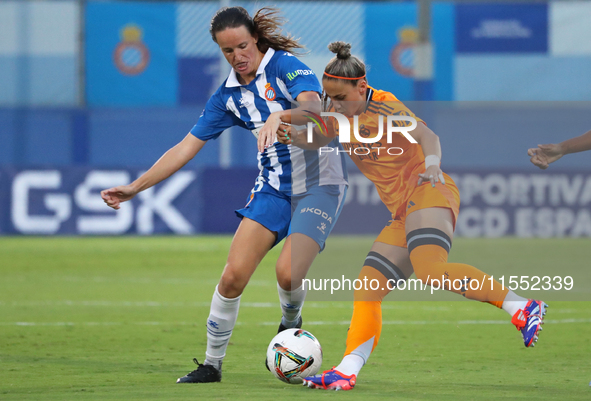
pixel 268 134
pixel 284 134
pixel 433 174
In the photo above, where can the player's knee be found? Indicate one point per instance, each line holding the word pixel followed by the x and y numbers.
pixel 379 275
pixel 232 282
pixel 425 263
pixel 421 268
pixel 283 271
pixel 376 263
pixel 428 249
pixel 291 273
pixel 284 280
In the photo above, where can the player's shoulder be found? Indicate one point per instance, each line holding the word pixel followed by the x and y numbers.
pixel 220 96
pixel 287 62
pixel 280 58
pixel 386 104
pixel 284 56
pixel 379 95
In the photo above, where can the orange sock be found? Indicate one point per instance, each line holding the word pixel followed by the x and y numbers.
pixel 430 263
pixel 366 323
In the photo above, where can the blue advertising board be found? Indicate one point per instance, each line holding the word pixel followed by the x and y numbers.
pixel 495 203
pixel 198 77
pixel 391 33
pixel 130 54
pixel 524 204
pixel 502 28
pixel 48 201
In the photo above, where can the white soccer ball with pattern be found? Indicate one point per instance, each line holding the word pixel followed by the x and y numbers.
pixel 293 355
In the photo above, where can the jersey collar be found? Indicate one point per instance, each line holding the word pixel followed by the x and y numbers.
pixel 232 80
pixel 368 96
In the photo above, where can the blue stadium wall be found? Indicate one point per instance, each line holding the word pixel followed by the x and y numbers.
pixel 161 54
pixel 150 67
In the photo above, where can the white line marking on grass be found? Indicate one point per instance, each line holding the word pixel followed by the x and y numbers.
pixel 319 305
pixel 150 280
pixel 316 323
pixel 348 305
pixel 130 303
pixel 405 305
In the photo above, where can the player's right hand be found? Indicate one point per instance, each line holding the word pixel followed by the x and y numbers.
pixel 433 175
pixel 543 155
pixel 114 196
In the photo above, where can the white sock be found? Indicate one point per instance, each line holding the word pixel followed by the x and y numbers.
pixel 220 323
pixel 351 365
pixel 513 303
pixel 291 305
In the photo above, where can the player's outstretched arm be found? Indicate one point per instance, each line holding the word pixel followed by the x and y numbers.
pixel 272 131
pixel 543 155
pixel 167 165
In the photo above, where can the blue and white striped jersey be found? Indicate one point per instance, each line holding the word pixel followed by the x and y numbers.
pixel 281 77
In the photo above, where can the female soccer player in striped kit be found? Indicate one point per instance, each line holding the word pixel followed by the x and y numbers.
pixel 264 81
pixel 424 203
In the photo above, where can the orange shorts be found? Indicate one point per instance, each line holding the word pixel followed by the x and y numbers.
pixel 421 197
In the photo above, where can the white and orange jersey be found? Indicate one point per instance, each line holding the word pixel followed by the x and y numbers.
pixel 390 166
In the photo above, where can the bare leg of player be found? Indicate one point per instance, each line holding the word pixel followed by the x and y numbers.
pixel 293 264
pixel 251 243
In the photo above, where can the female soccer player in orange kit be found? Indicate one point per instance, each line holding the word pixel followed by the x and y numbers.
pixel 424 202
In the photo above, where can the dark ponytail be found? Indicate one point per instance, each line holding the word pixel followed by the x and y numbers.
pixel 265 25
pixel 344 64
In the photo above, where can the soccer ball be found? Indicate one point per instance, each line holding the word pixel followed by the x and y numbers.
pixel 293 355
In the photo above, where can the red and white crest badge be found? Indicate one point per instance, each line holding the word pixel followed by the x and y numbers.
pixel 269 92
pixel 131 56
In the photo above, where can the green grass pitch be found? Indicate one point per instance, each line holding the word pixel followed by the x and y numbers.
pixel 121 319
